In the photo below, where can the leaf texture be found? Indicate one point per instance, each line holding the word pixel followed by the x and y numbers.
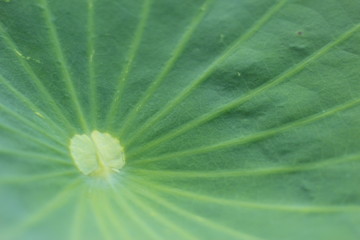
pixel 239 119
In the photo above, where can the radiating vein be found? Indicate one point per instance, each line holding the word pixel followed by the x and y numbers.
pixel 156 215
pixel 64 67
pixel 243 99
pixel 44 211
pixel 32 125
pixel 40 86
pixel 93 98
pixel 197 218
pixel 133 50
pixel 251 205
pixel 256 136
pixel 78 219
pixel 27 156
pixel 21 179
pixel 36 110
pixel 245 172
pixel 115 219
pixel 168 66
pixel 210 70
pixel 123 204
pixel 27 136
pixel 100 218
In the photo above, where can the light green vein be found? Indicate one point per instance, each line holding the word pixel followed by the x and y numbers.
pixel 244 172
pixel 93 98
pixel 32 125
pixel 257 136
pixel 21 179
pixel 27 156
pixel 243 99
pixel 78 219
pixel 99 218
pixel 60 199
pixel 31 138
pixel 123 204
pixel 116 219
pixel 161 219
pixel 251 205
pixel 133 50
pixel 40 86
pixel 210 70
pixel 36 110
pixel 168 66
pixel 197 218
pixel 64 67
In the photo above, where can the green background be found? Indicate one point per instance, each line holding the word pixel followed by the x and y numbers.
pixel 240 119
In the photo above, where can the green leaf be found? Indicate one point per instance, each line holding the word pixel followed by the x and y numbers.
pixel 238 119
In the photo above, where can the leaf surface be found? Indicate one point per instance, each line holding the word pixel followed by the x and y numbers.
pixel 239 119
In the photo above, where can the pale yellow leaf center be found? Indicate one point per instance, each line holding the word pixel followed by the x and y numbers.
pixel 97 154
